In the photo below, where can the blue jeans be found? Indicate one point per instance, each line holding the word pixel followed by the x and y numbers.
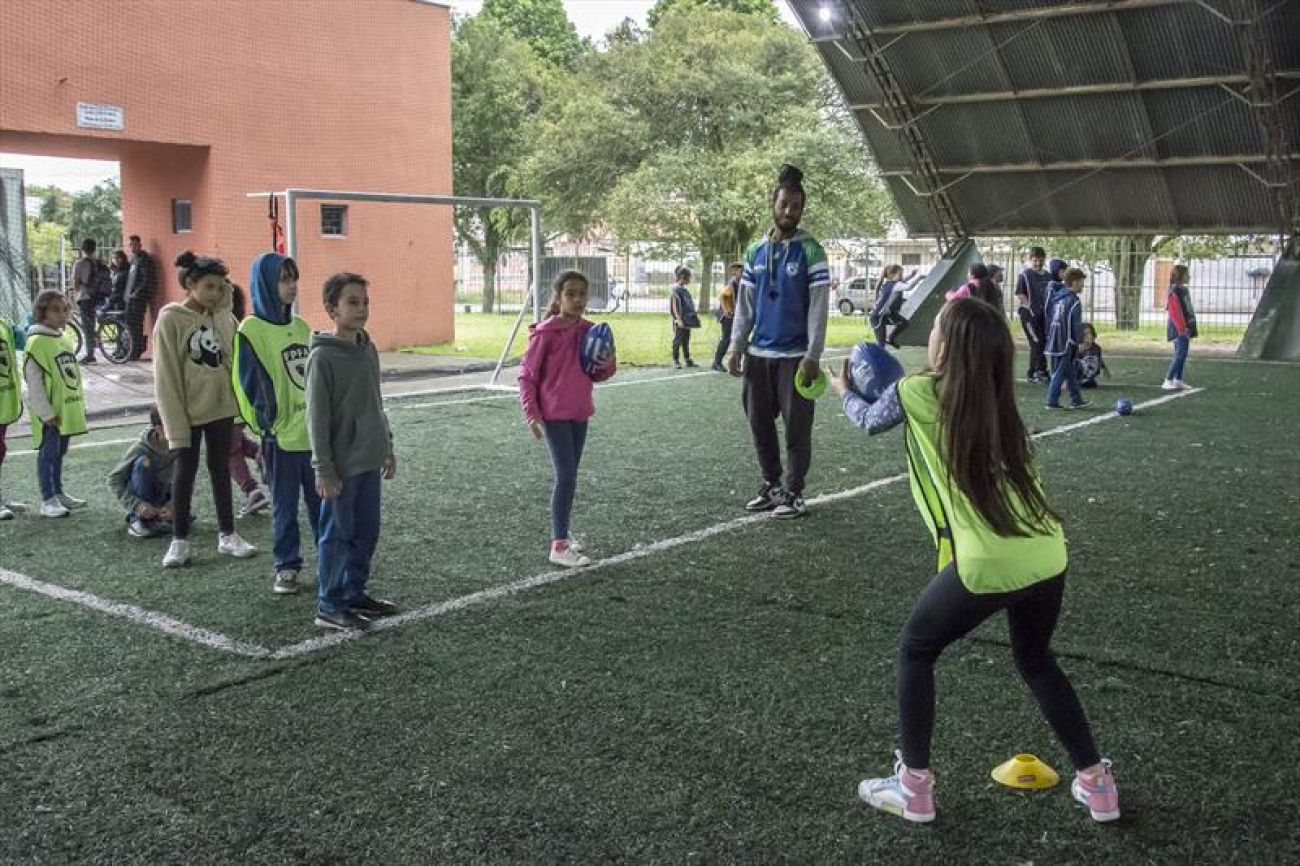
pixel 565 440
pixel 49 461
pixel 1181 344
pixel 1064 372
pixel 290 472
pixel 349 532
pixel 145 485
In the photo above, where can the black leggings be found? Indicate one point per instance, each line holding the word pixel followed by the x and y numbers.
pixel 681 342
pixel 947 611
pixel 218 434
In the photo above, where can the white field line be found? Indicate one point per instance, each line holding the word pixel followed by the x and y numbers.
pixel 213 640
pixel 157 621
pixel 430 611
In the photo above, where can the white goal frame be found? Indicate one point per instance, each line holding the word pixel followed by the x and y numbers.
pixel 293 195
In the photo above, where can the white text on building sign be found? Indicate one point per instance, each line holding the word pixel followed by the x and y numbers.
pixel 91 115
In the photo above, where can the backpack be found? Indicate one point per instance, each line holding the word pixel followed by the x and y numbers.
pixel 101 282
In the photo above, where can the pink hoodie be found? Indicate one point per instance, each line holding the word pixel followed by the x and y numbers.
pixel 552 386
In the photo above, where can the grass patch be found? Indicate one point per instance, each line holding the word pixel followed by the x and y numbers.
pixel 717 702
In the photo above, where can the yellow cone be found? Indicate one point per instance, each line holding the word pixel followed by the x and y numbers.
pixel 1025 771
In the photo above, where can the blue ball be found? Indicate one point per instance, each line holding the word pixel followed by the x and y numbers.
pixel 872 370
pixel 1123 406
pixel 596 344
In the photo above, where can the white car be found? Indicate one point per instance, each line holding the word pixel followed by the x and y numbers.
pixel 853 297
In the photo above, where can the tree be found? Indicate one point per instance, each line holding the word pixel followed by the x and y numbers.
pixel 56 203
pixel 497 90
pixel 97 214
pixel 664 147
pixel 543 24
pixel 43 241
pixel 764 8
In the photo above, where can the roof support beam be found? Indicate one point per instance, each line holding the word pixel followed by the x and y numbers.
pixel 1096 165
pixel 1081 90
pixel 1022 15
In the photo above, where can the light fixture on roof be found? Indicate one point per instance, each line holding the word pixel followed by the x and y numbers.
pixel 825 14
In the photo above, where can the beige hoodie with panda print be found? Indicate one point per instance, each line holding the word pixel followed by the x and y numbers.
pixel 191 369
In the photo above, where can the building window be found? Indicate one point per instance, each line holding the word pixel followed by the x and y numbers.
pixel 334 220
pixel 182 216
pixel 911 259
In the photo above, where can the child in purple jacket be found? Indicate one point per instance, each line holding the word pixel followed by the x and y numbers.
pixel 556 397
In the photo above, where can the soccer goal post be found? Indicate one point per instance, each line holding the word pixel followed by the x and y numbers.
pixel 294 195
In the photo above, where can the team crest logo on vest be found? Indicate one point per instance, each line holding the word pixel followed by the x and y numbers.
pixel 295 364
pixel 204 348
pixel 67 364
pixel 792 269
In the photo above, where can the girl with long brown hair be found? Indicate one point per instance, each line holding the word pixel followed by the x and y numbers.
pixel 1000 547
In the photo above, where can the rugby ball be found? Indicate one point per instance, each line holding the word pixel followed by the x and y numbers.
pixel 597 343
pixel 872 370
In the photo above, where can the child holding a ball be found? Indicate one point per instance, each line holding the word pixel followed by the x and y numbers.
pixel 1000 547
pixel 555 393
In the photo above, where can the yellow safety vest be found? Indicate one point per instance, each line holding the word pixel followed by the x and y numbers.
pixel 282 351
pixel 61 378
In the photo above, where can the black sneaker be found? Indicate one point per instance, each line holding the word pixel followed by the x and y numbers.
pixel 769 497
pixel 691 363
pixel 371 608
pixel 791 506
pixel 1081 405
pixel 342 621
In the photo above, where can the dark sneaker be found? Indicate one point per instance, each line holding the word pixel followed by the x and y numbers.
pixel 691 363
pixel 718 368
pixel 1055 406
pixel 374 607
pixel 769 497
pixel 342 621
pixel 286 582
pixel 1081 404
pixel 791 506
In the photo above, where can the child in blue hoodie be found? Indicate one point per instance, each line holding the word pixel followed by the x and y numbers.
pixel 1064 331
pixel 270 378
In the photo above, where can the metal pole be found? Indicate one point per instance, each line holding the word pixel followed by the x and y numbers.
pixel 535 220
pixel 63 264
pixel 291 224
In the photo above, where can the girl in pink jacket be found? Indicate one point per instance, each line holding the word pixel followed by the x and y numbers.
pixel 556 397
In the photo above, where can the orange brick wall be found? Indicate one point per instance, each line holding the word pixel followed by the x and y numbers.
pixel 223 99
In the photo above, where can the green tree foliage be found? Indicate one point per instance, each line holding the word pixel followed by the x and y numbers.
pixel 677 138
pixel 764 8
pixel 497 91
pixel 43 242
pixel 97 214
pixel 56 204
pixel 543 24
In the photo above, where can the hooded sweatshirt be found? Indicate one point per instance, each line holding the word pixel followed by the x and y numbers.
pixel 552 385
pixel 271 350
pixel 162 461
pixel 345 412
pixel 191 368
pixel 1064 321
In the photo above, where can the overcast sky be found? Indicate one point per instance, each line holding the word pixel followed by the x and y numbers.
pixel 592 18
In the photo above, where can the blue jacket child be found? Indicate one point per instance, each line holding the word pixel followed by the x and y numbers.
pixel 1064 330
pixel 270 375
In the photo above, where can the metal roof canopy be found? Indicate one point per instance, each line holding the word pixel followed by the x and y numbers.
pixel 1022 117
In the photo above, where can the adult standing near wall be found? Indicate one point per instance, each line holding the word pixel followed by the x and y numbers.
pixel 141 287
pixel 85 286
pixel 779 333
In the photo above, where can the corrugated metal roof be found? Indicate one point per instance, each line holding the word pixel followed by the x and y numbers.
pixel 996 87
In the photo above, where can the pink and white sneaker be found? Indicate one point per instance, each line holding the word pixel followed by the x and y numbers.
pixel 907 793
pixel 1098 793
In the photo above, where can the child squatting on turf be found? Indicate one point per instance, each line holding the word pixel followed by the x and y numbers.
pixel 556 397
pixel 351 448
pixel 55 398
pixel 11 400
pixel 1000 547
pixel 192 343
pixel 271 350
pixel 142 481
pixel 1090 362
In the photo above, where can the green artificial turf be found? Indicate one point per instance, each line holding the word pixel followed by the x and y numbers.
pixel 717 702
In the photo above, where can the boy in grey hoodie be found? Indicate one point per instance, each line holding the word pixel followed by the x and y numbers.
pixel 142 481
pixel 351 448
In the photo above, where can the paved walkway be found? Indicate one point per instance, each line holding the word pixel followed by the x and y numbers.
pixel 117 394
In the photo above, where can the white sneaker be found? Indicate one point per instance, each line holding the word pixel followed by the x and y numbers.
pixel 5 513
pixel 52 507
pixel 15 507
pixel 1182 386
pixel 575 545
pixel 71 502
pixel 1169 385
pixel 233 545
pixel 254 502
pixel 178 553
pixel 568 558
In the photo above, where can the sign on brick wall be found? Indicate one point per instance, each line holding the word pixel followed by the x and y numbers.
pixel 93 115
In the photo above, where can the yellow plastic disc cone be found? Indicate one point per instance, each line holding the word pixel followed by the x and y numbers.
pixel 1025 771
pixel 811 390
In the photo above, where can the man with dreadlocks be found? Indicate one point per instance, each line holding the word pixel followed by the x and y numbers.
pixel 778 333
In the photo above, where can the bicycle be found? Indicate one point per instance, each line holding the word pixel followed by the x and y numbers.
pixel 112 335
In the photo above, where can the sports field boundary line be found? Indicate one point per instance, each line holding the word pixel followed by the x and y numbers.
pixel 156 621
pixel 482 596
pixel 216 641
